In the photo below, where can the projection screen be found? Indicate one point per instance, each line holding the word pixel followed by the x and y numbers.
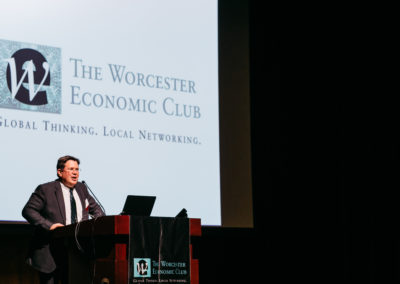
pixel 128 87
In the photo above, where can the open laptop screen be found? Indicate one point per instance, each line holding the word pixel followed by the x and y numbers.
pixel 138 205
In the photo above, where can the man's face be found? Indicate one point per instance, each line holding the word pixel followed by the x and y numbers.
pixel 70 174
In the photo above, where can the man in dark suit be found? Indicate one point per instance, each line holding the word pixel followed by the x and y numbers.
pixel 52 205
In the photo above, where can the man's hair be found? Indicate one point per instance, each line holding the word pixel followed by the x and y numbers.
pixel 61 162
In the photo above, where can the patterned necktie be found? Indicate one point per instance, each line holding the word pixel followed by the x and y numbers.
pixel 73 207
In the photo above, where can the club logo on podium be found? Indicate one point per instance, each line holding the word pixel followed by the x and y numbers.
pixel 142 267
pixel 30 77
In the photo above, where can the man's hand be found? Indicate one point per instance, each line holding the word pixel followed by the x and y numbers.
pixel 56 225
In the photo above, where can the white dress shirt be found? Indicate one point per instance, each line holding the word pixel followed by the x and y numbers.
pixel 67 203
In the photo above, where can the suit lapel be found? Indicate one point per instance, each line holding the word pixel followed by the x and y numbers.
pixel 60 200
pixel 81 192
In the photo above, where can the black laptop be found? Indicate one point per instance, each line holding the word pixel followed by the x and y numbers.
pixel 138 205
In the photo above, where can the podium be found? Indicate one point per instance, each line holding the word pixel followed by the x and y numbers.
pixel 97 250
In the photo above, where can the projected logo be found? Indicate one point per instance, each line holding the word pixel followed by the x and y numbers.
pixel 30 77
pixel 141 267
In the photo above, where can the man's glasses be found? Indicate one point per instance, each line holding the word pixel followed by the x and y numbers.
pixel 70 170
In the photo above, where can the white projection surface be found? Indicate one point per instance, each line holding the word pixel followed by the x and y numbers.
pixel 128 87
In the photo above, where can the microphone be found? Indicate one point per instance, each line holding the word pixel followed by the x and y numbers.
pixel 98 202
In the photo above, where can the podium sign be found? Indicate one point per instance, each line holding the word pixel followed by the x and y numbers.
pixel 159 250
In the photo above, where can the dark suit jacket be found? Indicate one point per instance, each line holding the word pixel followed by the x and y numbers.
pixel 46 207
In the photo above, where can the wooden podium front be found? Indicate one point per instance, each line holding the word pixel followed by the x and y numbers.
pixel 98 250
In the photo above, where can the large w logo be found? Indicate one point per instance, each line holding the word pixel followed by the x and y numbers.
pixel 30 67
pixel 142 267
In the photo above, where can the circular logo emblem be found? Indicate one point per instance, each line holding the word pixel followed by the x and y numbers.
pixel 28 68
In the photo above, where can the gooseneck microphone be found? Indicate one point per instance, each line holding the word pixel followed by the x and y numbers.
pixel 98 202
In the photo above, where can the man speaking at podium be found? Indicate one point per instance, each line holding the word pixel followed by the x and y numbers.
pixel 55 204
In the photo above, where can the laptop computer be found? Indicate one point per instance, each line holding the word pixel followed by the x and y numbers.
pixel 138 205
